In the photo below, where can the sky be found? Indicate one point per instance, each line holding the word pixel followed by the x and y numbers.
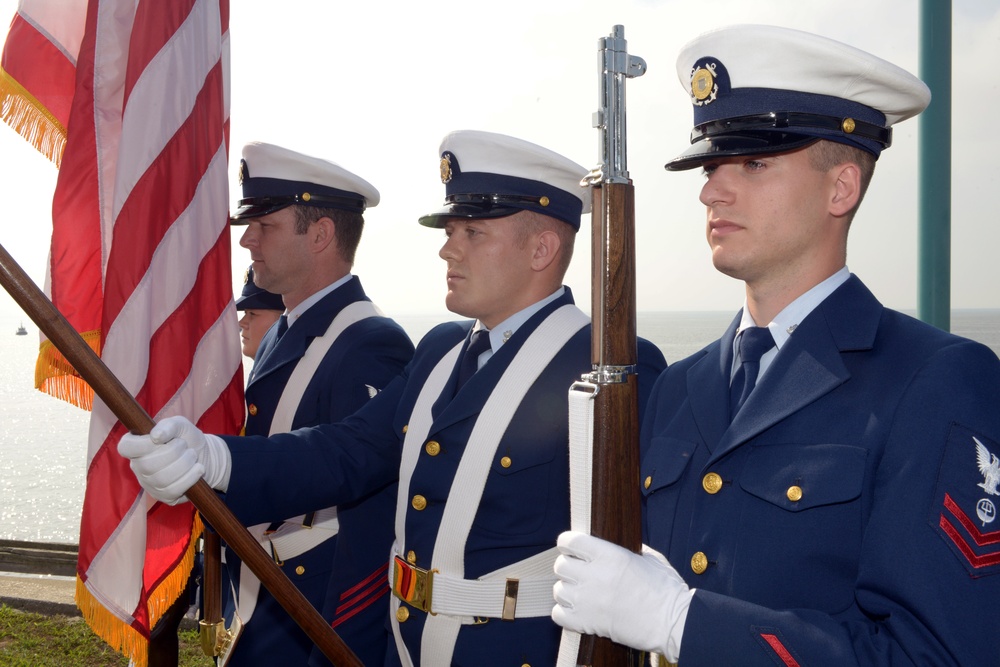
pixel 375 86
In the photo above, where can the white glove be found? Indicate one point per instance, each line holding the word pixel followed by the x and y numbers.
pixel 174 456
pixel 606 590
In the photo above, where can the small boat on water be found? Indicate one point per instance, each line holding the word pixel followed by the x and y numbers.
pixel 21 331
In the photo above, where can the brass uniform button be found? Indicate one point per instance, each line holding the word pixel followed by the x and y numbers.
pixel 505 462
pixel 699 562
pixel 712 483
pixel 794 493
pixel 300 569
pixel 252 409
pixel 419 502
pixel 402 614
pixel 411 557
pixel 526 665
pixel 432 448
pixel 648 482
pixel 405 426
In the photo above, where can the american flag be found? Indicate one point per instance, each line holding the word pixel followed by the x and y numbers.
pixel 138 90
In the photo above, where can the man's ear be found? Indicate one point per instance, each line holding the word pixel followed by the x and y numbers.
pixel 846 188
pixel 322 233
pixel 547 248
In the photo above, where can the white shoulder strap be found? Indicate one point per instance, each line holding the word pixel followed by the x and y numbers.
pixel 310 361
pixel 440 631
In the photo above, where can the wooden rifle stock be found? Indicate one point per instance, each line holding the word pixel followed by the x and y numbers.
pixel 615 498
pixel 132 415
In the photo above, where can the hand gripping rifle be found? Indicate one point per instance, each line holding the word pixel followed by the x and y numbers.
pixel 90 367
pixel 611 389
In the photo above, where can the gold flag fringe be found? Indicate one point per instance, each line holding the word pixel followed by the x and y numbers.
pixel 29 118
pixel 55 376
pixel 122 637
pixel 164 595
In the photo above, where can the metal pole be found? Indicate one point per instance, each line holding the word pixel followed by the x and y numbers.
pixel 934 248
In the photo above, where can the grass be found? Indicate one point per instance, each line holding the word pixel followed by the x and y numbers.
pixel 36 640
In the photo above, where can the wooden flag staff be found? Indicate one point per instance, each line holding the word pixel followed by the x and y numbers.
pixel 124 406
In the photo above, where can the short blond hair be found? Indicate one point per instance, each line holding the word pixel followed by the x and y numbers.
pixel 825 155
pixel 531 222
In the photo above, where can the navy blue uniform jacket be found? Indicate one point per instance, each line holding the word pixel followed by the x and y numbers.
pixel 853 525
pixel 524 506
pixel 368 354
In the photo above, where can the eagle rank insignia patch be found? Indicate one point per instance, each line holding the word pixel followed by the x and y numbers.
pixel 968 494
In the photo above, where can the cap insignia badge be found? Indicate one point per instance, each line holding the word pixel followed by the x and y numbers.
pixel 989 468
pixel 244 171
pixel 445 166
pixel 704 89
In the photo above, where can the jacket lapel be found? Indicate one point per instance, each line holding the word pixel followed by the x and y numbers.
pixel 708 387
pixel 809 365
pixel 452 408
pixel 313 323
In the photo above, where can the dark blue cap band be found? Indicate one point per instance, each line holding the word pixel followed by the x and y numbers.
pixel 267 195
pixel 483 195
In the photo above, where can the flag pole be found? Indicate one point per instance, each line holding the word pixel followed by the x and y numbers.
pixel 132 415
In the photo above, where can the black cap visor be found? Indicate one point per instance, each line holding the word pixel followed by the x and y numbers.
pixel 467 211
pixel 254 207
pixel 258 206
pixel 260 301
pixel 736 145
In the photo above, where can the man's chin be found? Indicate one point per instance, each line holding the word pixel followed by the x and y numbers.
pixel 454 305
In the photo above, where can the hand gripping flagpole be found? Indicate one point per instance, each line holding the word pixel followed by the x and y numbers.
pixel 604 420
pixel 90 367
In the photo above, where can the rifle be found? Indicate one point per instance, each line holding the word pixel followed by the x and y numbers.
pixel 90 367
pixel 615 499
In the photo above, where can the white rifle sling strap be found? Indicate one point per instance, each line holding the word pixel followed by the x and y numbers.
pixel 456 600
pixel 581 475
pixel 292 538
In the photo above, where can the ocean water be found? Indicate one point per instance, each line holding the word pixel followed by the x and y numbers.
pixel 43 441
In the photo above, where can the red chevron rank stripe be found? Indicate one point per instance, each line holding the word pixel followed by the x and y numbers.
pixel 976 560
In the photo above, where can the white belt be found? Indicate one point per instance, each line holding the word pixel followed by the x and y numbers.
pixel 288 541
pixel 521 590
pixel 293 538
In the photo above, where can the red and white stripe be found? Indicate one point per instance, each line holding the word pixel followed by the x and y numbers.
pixel 141 252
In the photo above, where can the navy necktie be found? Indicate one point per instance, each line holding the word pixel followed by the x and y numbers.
pixel 754 343
pixel 282 326
pixel 478 343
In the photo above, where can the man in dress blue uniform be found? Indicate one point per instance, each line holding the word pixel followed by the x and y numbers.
pixel 845 514
pixel 330 352
pixel 260 309
pixel 475 430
